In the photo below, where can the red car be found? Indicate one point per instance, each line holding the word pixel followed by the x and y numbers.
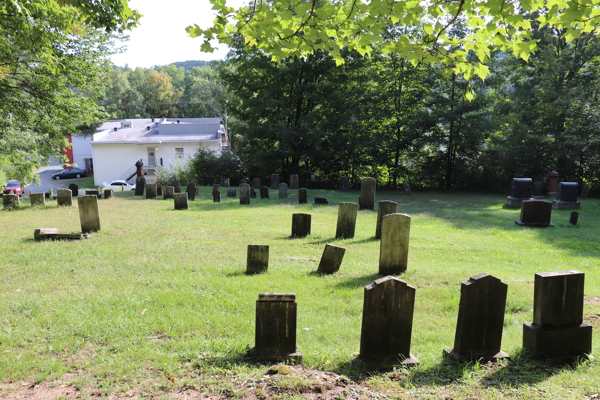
pixel 13 187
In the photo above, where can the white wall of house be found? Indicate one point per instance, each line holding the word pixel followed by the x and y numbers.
pixel 82 149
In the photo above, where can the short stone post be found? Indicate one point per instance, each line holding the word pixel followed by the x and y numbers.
pixel 274 181
pixel 140 185
pixel 176 186
pixel 283 188
pixel 367 194
pixel 37 199
pixel 346 220
pixel 216 193
pixel 225 182
pixel 244 193
pixel 256 183
pixel 74 190
pixel 264 192
pixel 393 249
pixel 10 201
pixel 294 183
pixel 302 196
pixel 301 225
pixel 191 191
pixel 573 218
pixel 535 213
pixel 258 258
pixel 89 216
pixel 385 207
pixel 275 336
pixel 387 324
pixel 159 190
pixel 180 201
pixel 480 319
pixel 169 191
pixel 108 193
pixel 331 260
pixel 63 198
pixel 558 329
pixel 343 183
pixel 151 190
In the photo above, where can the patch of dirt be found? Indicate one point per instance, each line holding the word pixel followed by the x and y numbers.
pixel 593 320
pixel 31 391
pixel 591 299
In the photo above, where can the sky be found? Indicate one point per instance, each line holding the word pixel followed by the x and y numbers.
pixel 160 37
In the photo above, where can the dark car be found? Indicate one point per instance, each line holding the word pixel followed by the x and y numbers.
pixel 69 173
pixel 13 187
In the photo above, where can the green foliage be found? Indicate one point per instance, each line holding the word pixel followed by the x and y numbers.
pixel 226 165
pixel 181 169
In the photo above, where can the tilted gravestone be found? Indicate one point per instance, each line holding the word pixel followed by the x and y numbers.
pixel 108 193
pixel 393 248
pixel 264 192
pixel 225 182
pixel 10 201
pixel 331 260
pixel 301 225
pixel 275 335
pixel 283 191
pixel 63 197
pixel 89 216
pixel 346 220
pixel 537 189
pixel 180 201
pixel 191 191
pixel 231 193
pixel 366 201
pixel 520 189
pixel 256 183
pixel 258 258
pixel 385 207
pixel 159 190
pixel 140 185
pixel 274 181
pixel 387 324
pixel 321 200
pixel 252 193
pixel 480 319
pixel 535 213
pixel 566 196
pixel 344 183
pixel 169 191
pixel 74 190
pixel 208 180
pixel 558 329
pixel 244 193
pixel 585 192
pixel 294 182
pixel 302 196
pixel 176 186
pixel 216 193
pixel 37 199
pixel 151 190
pixel 407 189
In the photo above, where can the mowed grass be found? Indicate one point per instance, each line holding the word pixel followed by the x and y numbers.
pixel 158 299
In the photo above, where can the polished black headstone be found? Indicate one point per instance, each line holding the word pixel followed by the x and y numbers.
pixel 567 191
pixel 521 188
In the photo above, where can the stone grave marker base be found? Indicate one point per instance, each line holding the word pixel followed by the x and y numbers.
pixel 533 224
pixel 295 357
pixel 514 202
pixel 386 363
pixel 566 205
pixel 558 342
pixel 449 354
pixel 52 234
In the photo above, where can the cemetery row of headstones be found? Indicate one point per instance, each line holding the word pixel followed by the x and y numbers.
pixel 557 329
pixel 64 197
pixel 565 193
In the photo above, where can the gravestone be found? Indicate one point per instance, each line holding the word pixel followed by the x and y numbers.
pixel 151 190
pixel 256 183
pixel 258 258
pixel 520 189
pixel 208 180
pixel 74 190
pixel 387 324
pixel 108 193
pixel 94 192
pixel 480 319
pixel 10 201
pixel 407 189
pixel 176 186
pixel 344 183
pixel 275 335
pixel 252 193
pixel 89 216
pixel 302 196
pixel 294 182
pixel 169 191
pixel 244 193
pixel 566 196
pixel 63 197
pixel 264 192
pixel 140 185
pixel 231 193
pixel 180 201
pixel 283 189
pixel 331 260
pixel 585 192
pixel 274 181
pixel 558 329
pixel 301 225
pixel 321 200
pixel 346 220
pixel 537 190
pixel 385 207
pixel 573 218
pixel 159 190
pixel 216 193
pixel 535 213
pixel 553 178
pixel 37 199
pixel 191 191
pixel 366 201
pixel 225 182
pixel 393 249
pixel 243 181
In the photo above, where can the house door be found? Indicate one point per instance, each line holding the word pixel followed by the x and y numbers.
pixel 89 164
pixel 151 156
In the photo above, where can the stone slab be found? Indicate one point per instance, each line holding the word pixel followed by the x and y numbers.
pixel 562 342
pixel 331 260
pixel 564 205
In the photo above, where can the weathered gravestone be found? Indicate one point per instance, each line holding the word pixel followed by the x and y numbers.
pixel 151 190
pixel 176 186
pixel 74 190
pixel 108 193
pixel 63 197
pixel 393 248
pixel 321 200
pixel 301 225
pixel 231 193
pixel 252 193
pixel 331 260
pixel 244 193
pixel 407 189
pixel 566 196
pixel 191 191
pixel 585 192
pixel 520 189
pixel 208 180
pixel 535 213
pixel 10 201
pixel 553 178
pixel 264 192
pixel 366 201
pixel 344 183
pixel 180 201
pixel 274 181
pixel 385 207
pixel 275 335
pixel 159 190
pixel 480 319
pixel 387 324
pixel 140 185
pixel 302 196
pixel 258 258
pixel 37 199
pixel 89 216
pixel 294 182
pixel 283 189
pixel 216 193
pixel 256 183
pixel 169 191
pixel 558 329
pixel 94 192
pixel 537 190
pixel 573 218
pixel 346 220
pixel 225 182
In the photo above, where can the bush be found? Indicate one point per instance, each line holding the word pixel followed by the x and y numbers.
pixel 227 165
pixel 182 170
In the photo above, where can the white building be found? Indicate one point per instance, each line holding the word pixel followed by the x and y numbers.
pixel 81 152
pixel 119 144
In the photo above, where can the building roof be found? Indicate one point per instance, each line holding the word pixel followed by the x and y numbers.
pixel 162 130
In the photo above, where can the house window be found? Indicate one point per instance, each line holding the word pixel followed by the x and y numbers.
pixel 179 153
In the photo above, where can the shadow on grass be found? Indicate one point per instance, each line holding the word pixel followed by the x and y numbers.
pixel 359 281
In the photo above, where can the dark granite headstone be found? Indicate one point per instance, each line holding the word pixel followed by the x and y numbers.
pixel 520 189
pixel 208 180
pixel 231 193
pixel 180 201
pixel 331 260
pixel 321 200
pixel 366 201
pixel 244 193
pixel 216 193
pixel 74 190
pixel 176 186
pixel 385 207
pixel 346 220
pixel 301 225
pixel 302 196
pixel 573 218
pixel 344 183
pixel 264 192
pixel 535 213
pixel 256 183
pixel 567 191
pixel 258 258
pixel 585 192
pixel 274 181
pixel 191 191
pixel 537 189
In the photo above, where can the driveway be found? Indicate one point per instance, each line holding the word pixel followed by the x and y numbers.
pixel 46 181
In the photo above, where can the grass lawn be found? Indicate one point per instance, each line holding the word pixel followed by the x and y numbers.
pixel 157 305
